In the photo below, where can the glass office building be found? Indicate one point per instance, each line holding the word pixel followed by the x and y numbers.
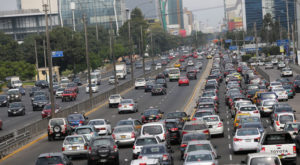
pixel 97 11
pixel 280 12
pixel 175 10
pixel 20 23
pixel 253 14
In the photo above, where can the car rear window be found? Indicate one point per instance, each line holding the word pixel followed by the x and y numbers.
pixel 269 103
pixel 247 132
pixel 281 138
pixel 96 122
pixel 206 106
pixel 265 161
pixel 247 108
pixel 285 118
pixel 152 130
pixel 49 160
pixel 123 129
pixel 100 142
pixel 56 122
pixel 194 127
pixel 153 150
pixel 193 137
pixel 151 112
pixel 292 127
pixel 81 131
pixel 75 117
pixel 73 140
pixel 125 122
pixel 201 114
pixel 171 124
pixel 145 141
pixel 199 158
pixel 197 147
pixel 268 96
pixel 211 119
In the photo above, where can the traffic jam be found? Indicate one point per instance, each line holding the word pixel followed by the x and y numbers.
pixel 236 104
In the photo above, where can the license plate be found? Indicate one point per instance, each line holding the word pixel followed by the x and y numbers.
pixel 123 136
pixel 74 148
pixel 102 160
pixel 125 106
pixel 248 140
pixel 57 134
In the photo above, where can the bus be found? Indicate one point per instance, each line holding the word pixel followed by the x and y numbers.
pixel 174 74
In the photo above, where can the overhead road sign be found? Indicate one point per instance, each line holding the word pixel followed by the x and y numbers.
pixel 228 41
pixel 57 54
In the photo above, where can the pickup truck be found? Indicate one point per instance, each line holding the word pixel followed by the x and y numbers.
pixel 69 94
pixel 279 143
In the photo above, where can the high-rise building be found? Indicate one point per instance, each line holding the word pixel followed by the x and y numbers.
pixel 149 8
pixel 281 12
pixel 234 14
pixel 188 19
pixel 175 13
pixel 253 13
pixel 101 12
pixel 268 7
pixel 38 4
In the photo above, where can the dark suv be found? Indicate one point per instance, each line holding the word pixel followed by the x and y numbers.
pixel 39 102
pixel 53 158
pixel 103 149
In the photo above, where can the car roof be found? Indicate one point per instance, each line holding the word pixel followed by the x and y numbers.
pixel 199 142
pixel 51 154
pixel 264 154
pixel 198 152
pixel 153 123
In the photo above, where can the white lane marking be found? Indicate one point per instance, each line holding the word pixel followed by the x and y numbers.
pixel 228 122
pixel 271 127
pixel 228 129
pixel 227 116
pixel 126 160
pixel 229 145
pixel 228 136
pixel 267 121
pixel 230 157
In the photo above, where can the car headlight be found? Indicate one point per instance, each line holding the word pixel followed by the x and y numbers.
pixel 8 97
pixel 4 101
pixel 17 95
pixel 9 110
pixel 20 109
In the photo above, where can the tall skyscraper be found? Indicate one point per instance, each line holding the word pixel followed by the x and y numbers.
pixel 281 12
pixel 253 14
pixel 175 13
pixel 149 8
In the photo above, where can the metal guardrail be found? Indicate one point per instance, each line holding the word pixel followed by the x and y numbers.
pixel 262 73
pixel 22 136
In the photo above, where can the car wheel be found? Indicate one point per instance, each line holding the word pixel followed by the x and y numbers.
pixel 23 113
pixel 117 161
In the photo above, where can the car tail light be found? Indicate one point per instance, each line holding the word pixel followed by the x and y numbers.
pixel 49 129
pixel 291 90
pixel 80 122
pixel 113 135
pixel 183 145
pixel 194 118
pixel 220 124
pixel 164 136
pixel 115 148
pixel 157 117
pixel 120 105
pixel 249 96
pixel 63 149
pixel 263 149
pixel 256 139
pixel 174 129
pixel 64 131
pixel 277 123
pixel 165 157
pixel 85 147
pixel 133 147
pixel 102 128
pixel 236 139
pixel 132 135
pixel 256 111
pixel 206 131
pixel 184 132
pixel 140 157
pixel 143 164
pixel 294 149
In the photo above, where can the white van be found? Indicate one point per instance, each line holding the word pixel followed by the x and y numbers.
pixel 95 78
pixel 155 128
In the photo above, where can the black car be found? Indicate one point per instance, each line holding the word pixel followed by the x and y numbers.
pixel 174 126
pixel 138 65
pixel 77 81
pixel 160 76
pixel 37 93
pixel 16 108
pixel 22 91
pixel 297 86
pixel 39 102
pixel 13 95
pixel 149 85
pixel 103 149
pixel 53 158
pixel 42 84
pixel 151 115
pixel 3 101
pixel 158 151
pixel 191 75
pixel 162 82
pixel 182 116
pixel 158 89
pixel 33 89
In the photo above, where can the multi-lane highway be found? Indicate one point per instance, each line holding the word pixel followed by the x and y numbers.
pixel 16 122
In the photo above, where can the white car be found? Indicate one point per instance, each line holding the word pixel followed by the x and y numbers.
pixel 158 66
pixel 253 64
pixel 140 83
pixel 265 158
pixel 141 141
pixel 281 65
pixel 114 100
pixel 286 72
pixel 145 161
pixel 215 125
pixel 251 109
pixel 59 92
pixel 281 94
pixel 260 63
pixel 102 126
pixel 75 145
pixel 246 139
pixel 282 118
pixel 147 67
pixel 275 84
pixel 190 63
pixel 94 87
pixel 269 65
pixel 274 61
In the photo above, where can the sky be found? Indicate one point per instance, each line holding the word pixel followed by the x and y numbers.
pixel 212 14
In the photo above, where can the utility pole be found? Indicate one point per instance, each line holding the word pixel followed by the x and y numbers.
pixel 142 51
pixel 197 40
pixel 288 19
pixel 152 53
pixel 280 33
pixel 87 55
pixel 112 55
pixel 36 61
pixel 52 101
pixel 256 40
pixel 294 43
pixel 97 35
pixel 130 46
pixel 45 59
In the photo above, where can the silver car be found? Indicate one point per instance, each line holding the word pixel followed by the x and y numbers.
pixel 200 145
pixel 292 128
pixel 75 145
pixel 201 157
pixel 127 105
pixel 125 135
pixel 147 67
pixel 142 141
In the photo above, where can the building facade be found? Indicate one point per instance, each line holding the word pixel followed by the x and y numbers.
pixel 281 8
pixel 253 14
pixel 101 12
pixel 234 14
pixel 149 8
pixel 175 13
pixel 20 23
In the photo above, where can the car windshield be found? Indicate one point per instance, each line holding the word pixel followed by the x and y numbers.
pixel 64 81
pixel 285 118
pixel 160 81
pixel 15 105
pixel 211 119
pixel 268 96
pixel 125 122
pixel 127 101
pixel 198 158
pixel 68 91
pixel 81 131
pixel 248 108
pixel 56 122
pixel 40 97
pixel 201 114
pixel 196 147
pixel 194 127
pixel 252 87
pixel 269 103
pixel 292 127
pixel 100 142
pixel 265 161
pixel 153 150
pixel 151 112
pixel 73 140
pixel 152 130
pixel 96 122
pixel 13 92
pixel 75 117
pixel 247 132
pixel 145 141
pixel 176 115
pixel 49 160
pixel 2 98
pixel 278 90
pixel 171 124
pixel 123 129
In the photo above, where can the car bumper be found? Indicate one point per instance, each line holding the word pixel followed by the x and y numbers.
pixel 216 131
pixel 16 113
pixel 245 146
pixel 102 132
pixel 75 153
pixel 125 141
pixel 126 109
pixel 282 97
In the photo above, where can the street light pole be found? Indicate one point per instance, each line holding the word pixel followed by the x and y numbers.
pixel 142 51
pixel 52 101
pixel 112 55
pixel 130 46
pixel 288 19
pixel 72 6
pixel 36 61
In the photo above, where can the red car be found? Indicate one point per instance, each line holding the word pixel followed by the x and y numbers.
pixel 181 60
pixel 171 57
pixel 47 110
pixel 183 81
pixel 73 86
pixel 69 94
